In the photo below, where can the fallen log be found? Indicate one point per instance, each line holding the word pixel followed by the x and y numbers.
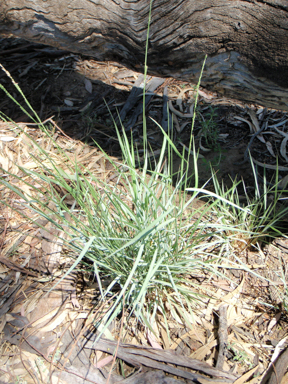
pixel 246 40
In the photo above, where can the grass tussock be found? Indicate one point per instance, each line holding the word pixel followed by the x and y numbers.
pixel 147 237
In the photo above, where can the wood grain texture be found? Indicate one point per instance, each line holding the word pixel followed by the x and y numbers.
pixel 246 40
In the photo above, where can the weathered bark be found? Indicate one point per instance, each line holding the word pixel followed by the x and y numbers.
pixel 246 40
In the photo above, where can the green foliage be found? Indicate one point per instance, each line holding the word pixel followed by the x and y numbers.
pixel 209 129
pixel 260 215
pixel 215 162
pixel 143 234
pixel 140 234
pixel 240 355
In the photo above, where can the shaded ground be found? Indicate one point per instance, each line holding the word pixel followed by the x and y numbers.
pixel 72 89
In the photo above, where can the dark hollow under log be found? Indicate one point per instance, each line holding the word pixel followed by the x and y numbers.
pixel 246 40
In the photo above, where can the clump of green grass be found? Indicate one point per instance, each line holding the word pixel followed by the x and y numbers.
pixel 256 217
pixel 210 129
pixel 140 233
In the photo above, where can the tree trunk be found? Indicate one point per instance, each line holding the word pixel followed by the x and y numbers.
pixel 246 40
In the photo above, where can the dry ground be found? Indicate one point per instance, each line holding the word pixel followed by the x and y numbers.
pixel 42 332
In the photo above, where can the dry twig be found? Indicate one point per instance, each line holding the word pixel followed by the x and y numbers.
pixel 222 335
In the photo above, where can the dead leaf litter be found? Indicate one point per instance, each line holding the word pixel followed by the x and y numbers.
pixel 49 335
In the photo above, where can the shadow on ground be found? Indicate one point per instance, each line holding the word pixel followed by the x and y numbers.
pixel 82 95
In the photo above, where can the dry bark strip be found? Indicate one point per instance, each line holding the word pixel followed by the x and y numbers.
pixel 246 40
pixel 277 370
pixel 151 86
pixel 134 97
pixel 150 377
pixel 8 293
pixel 159 359
pixel 16 267
pixel 222 335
